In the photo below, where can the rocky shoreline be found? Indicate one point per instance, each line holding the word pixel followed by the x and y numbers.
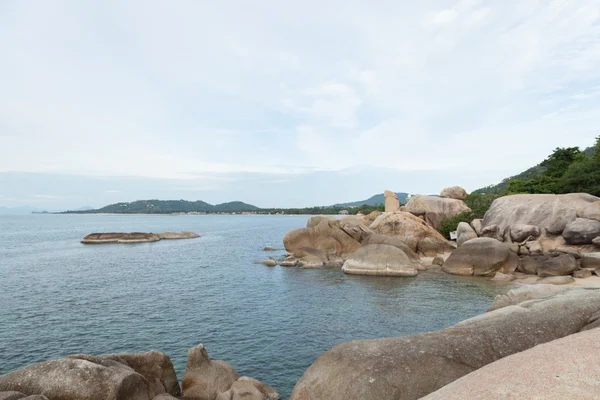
pixel 551 330
pixel 555 238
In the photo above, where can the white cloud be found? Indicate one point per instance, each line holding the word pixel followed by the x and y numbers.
pixel 224 88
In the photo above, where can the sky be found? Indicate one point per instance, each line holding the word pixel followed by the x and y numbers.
pixel 287 103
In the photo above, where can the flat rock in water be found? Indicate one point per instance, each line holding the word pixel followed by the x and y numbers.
pixel 135 237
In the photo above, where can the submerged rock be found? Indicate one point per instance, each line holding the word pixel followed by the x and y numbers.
pixel 269 262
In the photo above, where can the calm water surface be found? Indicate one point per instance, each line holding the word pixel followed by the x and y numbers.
pixel 59 297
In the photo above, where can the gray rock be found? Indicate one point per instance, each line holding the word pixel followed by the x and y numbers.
pixel 36 397
pixel 562 265
pixel 556 280
pixel 269 248
pixel 582 273
pixel 86 377
pixel 596 241
pixel 439 261
pixel 164 396
pixel 480 256
pixel 567 368
pixel 454 192
pixel 568 250
pixel 436 209
pixel 412 367
pixel 592 211
pixel 520 232
pixel 477 225
pixel 550 213
pixel 530 264
pixel 156 367
pixel 534 247
pixel 12 395
pixel 269 262
pixel 249 389
pixel 590 260
pixel 581 231
pixel 464 233
pixel 380 260
pixel 205 378
pixel 524 293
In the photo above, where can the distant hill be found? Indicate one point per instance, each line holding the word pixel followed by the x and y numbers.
pixel 530 173
pixel 169 207
pixel 372 201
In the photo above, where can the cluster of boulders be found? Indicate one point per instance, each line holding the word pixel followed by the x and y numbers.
pixel 135 237
pixel 492 353
pixel 390 243
pixel 145 376
pixel 556 237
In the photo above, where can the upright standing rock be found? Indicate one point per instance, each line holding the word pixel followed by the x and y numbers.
pixel 391 201
pixel 204 378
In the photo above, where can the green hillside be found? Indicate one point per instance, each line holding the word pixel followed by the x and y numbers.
pixel 372 201
pixel 170 207
pixel 535 173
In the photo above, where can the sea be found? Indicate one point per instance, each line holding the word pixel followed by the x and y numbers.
pixel 60 297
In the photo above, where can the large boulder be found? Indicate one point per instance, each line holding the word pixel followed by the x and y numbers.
pixel 592 211
pixel 530 264
pixel 79 377
pixel 590 260
pixel 355 228
pixel 550 213
pixel 381 260
pixel 376 238
pixel 581 231
pixel 566 368
pixel 314 220
pixel 418 235
pixel 249 389
pixel 411 367
pixel 326 237
pixel 562 265
pixel 454 192
pixel 155 366
pixel 204 378
pixel 477 225
pixel 392 204
pixel 520 232
pixel 464 233
pixel 435 209
pixel 480 256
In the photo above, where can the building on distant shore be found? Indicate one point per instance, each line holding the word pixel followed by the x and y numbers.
pixel 344 212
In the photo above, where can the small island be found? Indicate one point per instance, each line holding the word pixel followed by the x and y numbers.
pixel 135 237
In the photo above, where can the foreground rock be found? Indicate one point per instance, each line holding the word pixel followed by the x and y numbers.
pixel 381 260
pixel 478 257
pixel 414 366
pixel 207 379
pixel 135 237
pixel 92 378
pixel 435 209
pixel 567 368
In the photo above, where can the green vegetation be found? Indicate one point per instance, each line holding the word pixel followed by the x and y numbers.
pixel 333 210
pixel 566 170
pixel 479 203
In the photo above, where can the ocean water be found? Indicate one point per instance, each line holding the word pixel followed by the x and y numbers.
pixel 59 297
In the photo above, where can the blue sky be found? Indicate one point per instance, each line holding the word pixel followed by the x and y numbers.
pixel 287 103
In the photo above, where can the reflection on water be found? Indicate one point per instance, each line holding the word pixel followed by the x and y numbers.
pixel 59 297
